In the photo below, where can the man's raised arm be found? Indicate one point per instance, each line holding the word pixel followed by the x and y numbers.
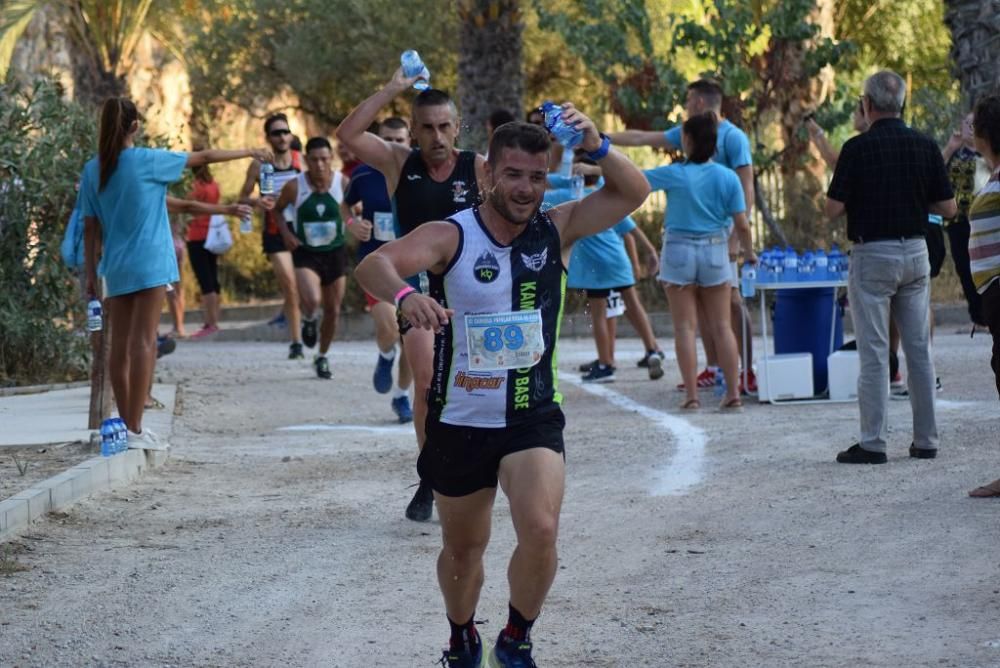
pixel 371 149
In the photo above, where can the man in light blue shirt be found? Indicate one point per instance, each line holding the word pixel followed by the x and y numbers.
pixel 732 151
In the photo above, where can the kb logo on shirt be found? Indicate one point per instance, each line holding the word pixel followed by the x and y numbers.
pixel 486 268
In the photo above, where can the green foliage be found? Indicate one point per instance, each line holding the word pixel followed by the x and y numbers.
pixel 44 142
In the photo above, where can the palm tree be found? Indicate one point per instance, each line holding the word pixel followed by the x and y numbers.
pixel 103 34
pixel 975 31
pixel 489 64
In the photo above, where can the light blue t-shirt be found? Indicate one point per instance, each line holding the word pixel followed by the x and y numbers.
pixel 732 148
pixel 701 198
pixel 138 248
pixel 600 261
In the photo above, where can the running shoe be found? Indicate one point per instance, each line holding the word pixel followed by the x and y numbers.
pixel 278 321
pixel 897 380
pixel 751 385
pixel 644 362
pixel 164 346
pixel 322 367
pixel 463 658
pixel 295 351
pixel 309 332
pixel 706 380
pixel 422 504
pixel 511 654
pixel 401 407
pixel 207 330
pixel 584 368
pixel 600 374
pixel 654 365
pixel 382 378
pixel 145 440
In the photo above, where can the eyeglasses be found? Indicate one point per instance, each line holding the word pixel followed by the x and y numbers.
pixel 861 103
pixel 279 133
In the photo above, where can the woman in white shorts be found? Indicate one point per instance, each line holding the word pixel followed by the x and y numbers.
pixel 694 266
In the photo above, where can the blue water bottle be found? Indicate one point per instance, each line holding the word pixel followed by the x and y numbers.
pixel 720 383
pixel 835 263
pixel 107 438
pixel 266 179
pixel 806 266
pixel 791 265
pixel 565 134
pixel 778 263
pixel 414 67
pixel 822 265
pixel 95 315
pixel 748 281
pixel 121 436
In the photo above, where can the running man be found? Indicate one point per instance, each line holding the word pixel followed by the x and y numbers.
pixel 287 165
pixel 317 247
pixel 733 151
pixel 374 227
pixel 497 279
pixel 430 182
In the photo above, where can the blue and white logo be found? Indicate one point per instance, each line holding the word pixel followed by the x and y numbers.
pixel 486 269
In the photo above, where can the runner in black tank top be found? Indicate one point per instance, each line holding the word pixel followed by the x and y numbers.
pixel 420 198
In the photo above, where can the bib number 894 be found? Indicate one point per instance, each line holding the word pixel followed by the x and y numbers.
pixel 496 339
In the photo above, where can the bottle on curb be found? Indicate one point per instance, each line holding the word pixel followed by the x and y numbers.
pixel 414 67
pixel 565 134
pixel 748 281
pixel 107 438
pixel 121 435
pixel 95 315
pixel 720 383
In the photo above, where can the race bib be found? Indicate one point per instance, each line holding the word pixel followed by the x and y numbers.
pixel 320 234
pixel 384 226
pixel 499 341
pixel 616 305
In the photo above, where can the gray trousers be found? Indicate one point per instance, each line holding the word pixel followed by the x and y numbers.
pixel 896 273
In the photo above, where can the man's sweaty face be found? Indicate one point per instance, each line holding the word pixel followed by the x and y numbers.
pixel 436 130
pixel 518 184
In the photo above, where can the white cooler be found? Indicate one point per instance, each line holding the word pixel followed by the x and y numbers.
pixel 843 368
pixel 788 376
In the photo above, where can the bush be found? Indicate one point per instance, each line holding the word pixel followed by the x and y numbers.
pixel 44 142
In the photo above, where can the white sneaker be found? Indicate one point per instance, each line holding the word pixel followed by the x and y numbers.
pixel 145 440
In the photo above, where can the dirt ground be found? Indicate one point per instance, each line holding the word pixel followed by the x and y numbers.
pixel 22 467
pixel 263 546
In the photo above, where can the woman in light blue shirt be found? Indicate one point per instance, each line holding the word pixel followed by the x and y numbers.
pixel 123 200
pixel 704 202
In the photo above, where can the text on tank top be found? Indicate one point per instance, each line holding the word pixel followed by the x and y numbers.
pixel 508 303
pixel 419 198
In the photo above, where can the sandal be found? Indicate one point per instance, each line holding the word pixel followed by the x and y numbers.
pixel 690 405
pixel 992 489
pixel 154 404
pixel 731 406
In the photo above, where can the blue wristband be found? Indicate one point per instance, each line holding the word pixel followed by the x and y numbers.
pixel 603 150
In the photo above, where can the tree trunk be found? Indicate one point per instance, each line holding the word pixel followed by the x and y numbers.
pixel 490 73
pixel 975 37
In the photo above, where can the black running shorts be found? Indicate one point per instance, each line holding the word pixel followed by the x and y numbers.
pixel 328 265
pixel 457 461
pixel 604 293
pixel 273 243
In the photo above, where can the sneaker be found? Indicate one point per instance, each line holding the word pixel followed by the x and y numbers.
pixel 463 658
pixel 322 367
pixel 897 380
pixel 937 385
pixel 600 374
pixel 164 346
pixel 511 654
pixel 309 332
pixel 421 504
pixel 278 321
pixel 145 440
pixel 584 368
pixel 295 351
pixel 655 367
pixel 207 330
pixel 401 407
pixel 382 378
pixel 904 394
pixel 858 455
pixel 922 453
pixel 706 380
pixel 751 387
pixel 644 362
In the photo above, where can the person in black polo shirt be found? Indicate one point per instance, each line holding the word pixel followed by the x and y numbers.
pixel 887 181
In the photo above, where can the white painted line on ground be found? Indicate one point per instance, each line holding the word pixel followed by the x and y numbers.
pixel 401 429
pixel 684 471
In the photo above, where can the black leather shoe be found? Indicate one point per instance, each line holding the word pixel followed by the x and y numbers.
pixel 858 455
pixel 922 453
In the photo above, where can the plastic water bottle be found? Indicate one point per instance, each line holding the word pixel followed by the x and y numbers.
pixel 778 263
pixel 835 263
pixel 764 266
pixel 266 179
pixel 565 134
pixel 246 225
pixel 791 265
pixel 566 164
pixel 807 266
pixel 822 265
pixel 414 67
pixel 121 436
pixel 720 383
pixel 576 186
pixel 107 438
pixel 95 316
pixel 748 281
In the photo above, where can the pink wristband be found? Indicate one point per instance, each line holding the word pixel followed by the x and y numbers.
pixel 350 220
pixel 403 292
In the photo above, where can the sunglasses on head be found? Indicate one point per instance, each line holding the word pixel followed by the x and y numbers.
pixel 279 133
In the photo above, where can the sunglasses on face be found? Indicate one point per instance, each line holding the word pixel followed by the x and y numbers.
pixel 279 133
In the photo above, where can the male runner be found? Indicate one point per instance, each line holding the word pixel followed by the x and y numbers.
pixel 733 151
pixel 497 279
pixel 287 165
pixel 429 182
pixel 317 247
pixel 375 226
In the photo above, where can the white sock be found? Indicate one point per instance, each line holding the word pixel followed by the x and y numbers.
pixel 400 392
pixel 318 355
pixel 390 355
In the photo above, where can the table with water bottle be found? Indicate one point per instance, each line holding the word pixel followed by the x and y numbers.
pixel 787 270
